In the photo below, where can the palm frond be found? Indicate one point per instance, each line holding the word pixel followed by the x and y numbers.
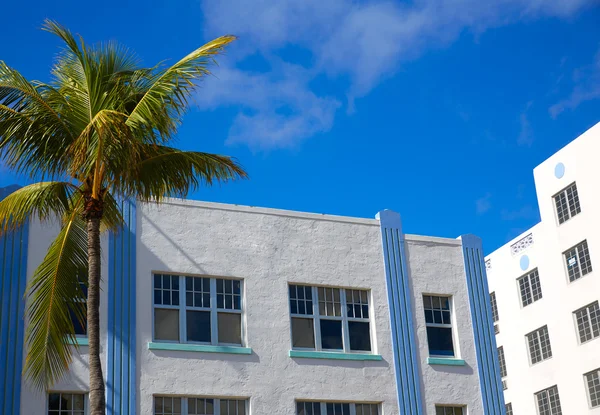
pixel 38 200
pixel 112 218
pixel 53 292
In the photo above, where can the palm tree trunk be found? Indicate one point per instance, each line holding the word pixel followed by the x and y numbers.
pixel 97 397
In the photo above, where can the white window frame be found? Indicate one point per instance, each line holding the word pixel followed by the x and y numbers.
pixel 86 404
pixel 508 407
pixel 323 405
pixel 574 201
pixel 450 326
pixel 527 278
pixel 577 247
pixel 547 392
pixel 463 408
pixel 217 402
pixel 587 387
pixel 494 303
pixel 213 309
pixel 586 309
pixel 538 339
pixel 502 362
pixel 317 317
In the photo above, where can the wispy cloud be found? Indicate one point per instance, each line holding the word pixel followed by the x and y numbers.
pixel 361 42
pixel 525 212
pixel 525 138
pixel 483 204
pixel 586 81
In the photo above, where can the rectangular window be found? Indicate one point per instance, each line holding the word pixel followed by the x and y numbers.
pixel 588 322
pixel 66 403
pixel 508 407
pixel 494 307
pixel 530 288
pixel 578 261
pixel 197 310
pixel 567 203
pixel 438 320
pixel 502 361
pixel 175 405
pixel 450 410
pixel 80 325
pixel 539 345
pixel 336 408
pixel 548 401
pixel 593 384
pixel 325 318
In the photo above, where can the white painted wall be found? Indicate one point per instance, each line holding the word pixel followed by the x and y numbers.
pixel 560 298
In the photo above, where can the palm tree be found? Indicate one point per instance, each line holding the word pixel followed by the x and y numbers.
pixel 96 134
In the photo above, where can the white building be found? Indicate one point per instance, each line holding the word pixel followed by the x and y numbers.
pixel 222 309
pixel 546 288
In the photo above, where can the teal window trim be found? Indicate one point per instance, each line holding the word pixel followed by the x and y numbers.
pixel 445 361
pixel 186 347
pixel 79 341
pixel 309 354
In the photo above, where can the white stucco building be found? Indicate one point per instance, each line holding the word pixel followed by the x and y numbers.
pixel 545 289
pixel 229 310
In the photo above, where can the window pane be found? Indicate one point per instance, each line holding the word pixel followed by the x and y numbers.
pixel 331 335
pixel 198 326
pixel 80 327
pixel 360 336
pixel 166 324
pixel 440 341
pixel 230 328
pixel 303 332
pixel 54 401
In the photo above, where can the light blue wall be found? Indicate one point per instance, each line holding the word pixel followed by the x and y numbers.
pixel 13 279
pixel 483 326
pixel 401 314
pixel 121 389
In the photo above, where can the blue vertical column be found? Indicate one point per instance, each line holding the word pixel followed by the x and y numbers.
pixel 400 298
pixel 121 387
pixel 483 326
pixel 13 280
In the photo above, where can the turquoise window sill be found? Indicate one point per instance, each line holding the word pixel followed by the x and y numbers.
pixel 79 341
pixel 445 361
pixel 183 347
pixel 309 354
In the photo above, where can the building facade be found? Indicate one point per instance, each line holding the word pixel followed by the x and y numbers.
pixel 545 288
pixel 223 309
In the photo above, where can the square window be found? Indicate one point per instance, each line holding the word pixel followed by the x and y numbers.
pixel 440 341
pixel 578 261
pixel 539 345
pixel 303 333
pixel 360 336
pixel 548 401
pixel 166 324
pixel 198 326
pixel 331 335
pixel 530 288
pixel 567 203
pixel 588 322
pixel 230 328
pixel 66 403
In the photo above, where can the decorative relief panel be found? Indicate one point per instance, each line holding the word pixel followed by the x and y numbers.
pixel 521 244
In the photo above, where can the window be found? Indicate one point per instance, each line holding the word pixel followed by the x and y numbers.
pixel 539 345
pixel 197 310
pixel 502 361
pixel 530 288
pixel 588 322
pixel 79 325
pixel 438 320
pixel 578 261
pixel 494 307
pixel 326 318
pixel 548 401
pixel 62 403
pixel 335 408
pixel 593 384
pixel 567 203
pixel 450 410
pixel 508 407
pixel 175 405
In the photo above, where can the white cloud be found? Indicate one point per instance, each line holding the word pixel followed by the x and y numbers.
pixel 364 42
pixel 483 204
pixel 525 138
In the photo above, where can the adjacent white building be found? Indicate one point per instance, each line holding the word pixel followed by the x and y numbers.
pixel 230 310
pixel 545 289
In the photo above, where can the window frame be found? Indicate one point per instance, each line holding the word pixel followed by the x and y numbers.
pixel 586 308
pixel 547 392
pixel 527 279
pixel 214 310
pixel 463 408
pixel 577 247
pixel 86 406
pixel 456 352
pixel 316 317
pixel 83 288
pixel 502 362
pixel 508 408
pixel 217 401
pixel 323 405
pixel 539 342
pixel 494 303
pixel 575 201
pixel 587 387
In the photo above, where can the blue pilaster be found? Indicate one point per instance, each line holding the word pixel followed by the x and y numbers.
pixel 408 383
pixel 121 371
pixel 13 280
pixel 483 326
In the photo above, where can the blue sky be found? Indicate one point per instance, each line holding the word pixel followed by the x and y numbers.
pixel 439 110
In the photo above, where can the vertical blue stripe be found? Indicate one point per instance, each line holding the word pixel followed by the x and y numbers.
pixel 13 276
pixel 121 375
pixel 483 326
pixel 408 384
